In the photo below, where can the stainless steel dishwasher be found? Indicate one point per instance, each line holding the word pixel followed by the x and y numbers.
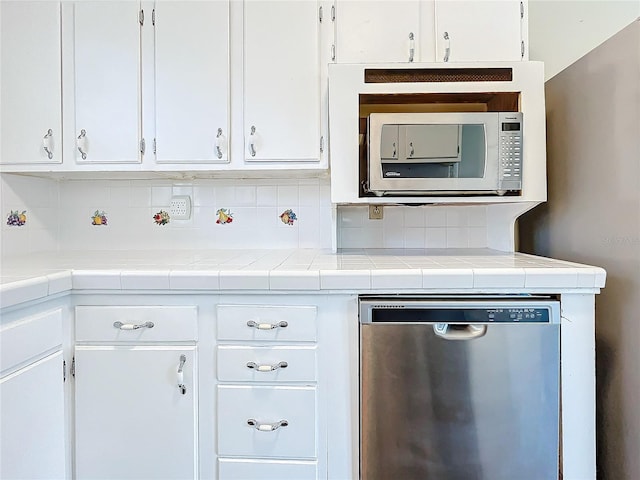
pixel 459 389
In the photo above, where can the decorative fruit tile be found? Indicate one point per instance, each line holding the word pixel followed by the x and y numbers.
pixel 17 219
pixel 161 218
pixel 224 216
pixel 99 218
pixel 288 217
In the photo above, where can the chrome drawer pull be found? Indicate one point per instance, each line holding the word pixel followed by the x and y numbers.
pixel 266 326
pixel 267 368
pixel 132 326
pixel 266 427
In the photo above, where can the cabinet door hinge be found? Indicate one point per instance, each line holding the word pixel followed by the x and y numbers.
pixel 153 17
pixel 521 10
pixel 142 146
pixel 322 144
pixel 141 17
pixel 73 367
pixel 64 371
pixel 320 13
pixel 522 49
pixel 154 146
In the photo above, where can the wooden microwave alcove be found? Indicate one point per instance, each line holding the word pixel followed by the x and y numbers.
pixel 426 103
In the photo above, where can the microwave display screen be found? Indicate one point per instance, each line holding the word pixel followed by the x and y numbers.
pixel 511 127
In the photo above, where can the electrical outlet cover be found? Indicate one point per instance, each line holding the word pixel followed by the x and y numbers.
pixel 180 207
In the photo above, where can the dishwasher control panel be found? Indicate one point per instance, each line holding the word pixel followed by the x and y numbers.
pixel 464 312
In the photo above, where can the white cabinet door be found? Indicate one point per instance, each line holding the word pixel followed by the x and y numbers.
pixel 107 81
pixel 32 433
pixel 30 82
pixel 132 420
pixel 192 81
pixel 374 31
pixel 472 30
pixel 282 108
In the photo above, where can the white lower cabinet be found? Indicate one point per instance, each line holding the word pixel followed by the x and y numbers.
pixel 32 430
pixel 32 418
pixel 135 399
pixel 267 393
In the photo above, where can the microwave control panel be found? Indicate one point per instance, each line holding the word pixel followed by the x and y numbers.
pixel 510 132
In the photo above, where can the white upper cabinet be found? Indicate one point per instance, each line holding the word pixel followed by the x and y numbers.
pixel 374 31
pixel 191 81
pixel 380 31
pixel 107 81
pixel 472 30
pixel 282 81
pixel 30 82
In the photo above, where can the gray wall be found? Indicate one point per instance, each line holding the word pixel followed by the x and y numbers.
pixel 593 216
pixel 562 31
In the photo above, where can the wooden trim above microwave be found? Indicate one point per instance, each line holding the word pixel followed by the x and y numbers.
pixel 438 102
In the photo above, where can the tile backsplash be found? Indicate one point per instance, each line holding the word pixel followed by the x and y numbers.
pixel 413 227
pixel 224 214
pixel 82 215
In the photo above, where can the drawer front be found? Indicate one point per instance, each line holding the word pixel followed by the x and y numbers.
pixel 267 323
pixel 156 323
pixel 244 469
pixel 267 406
pixel 29 338
pixel 267 364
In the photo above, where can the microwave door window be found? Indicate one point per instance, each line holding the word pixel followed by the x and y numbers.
pixel 433 151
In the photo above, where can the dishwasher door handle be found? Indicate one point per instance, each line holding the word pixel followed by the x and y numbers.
pixel 459 332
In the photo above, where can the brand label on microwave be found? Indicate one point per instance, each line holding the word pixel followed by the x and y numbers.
pixel 392 174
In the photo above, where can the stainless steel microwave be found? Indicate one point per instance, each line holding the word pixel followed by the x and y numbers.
pixel 444 153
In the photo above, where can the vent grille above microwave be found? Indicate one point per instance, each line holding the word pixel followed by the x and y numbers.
pixel 412 75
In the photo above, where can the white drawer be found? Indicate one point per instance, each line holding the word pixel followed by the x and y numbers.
pixel 267 364
pixel 267 406
pixel 248 469
pixel 163 323
pixel 30 337
pixel 267 323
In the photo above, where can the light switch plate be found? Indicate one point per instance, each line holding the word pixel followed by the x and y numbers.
pixel 180 208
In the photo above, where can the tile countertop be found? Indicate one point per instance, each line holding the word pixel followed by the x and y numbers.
pixel 359 270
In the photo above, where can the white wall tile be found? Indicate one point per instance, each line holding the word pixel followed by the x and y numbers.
pixel 288 195
pixel 414 238
pixel 457 237
pixel 266 195
pixel 436 217
pixel 414 217
pixel 436 237
pixel 161 196
pixel 204 195
pixel 457 217
pixel 477 216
